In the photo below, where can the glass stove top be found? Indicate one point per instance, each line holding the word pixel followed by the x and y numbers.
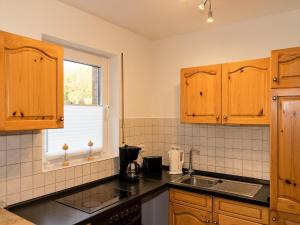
pixel 94 199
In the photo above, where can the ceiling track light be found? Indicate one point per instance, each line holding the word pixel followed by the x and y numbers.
pixel 210 17
pixel 202 4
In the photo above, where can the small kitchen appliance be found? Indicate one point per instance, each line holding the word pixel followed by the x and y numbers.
pixel 129 168
pixel 176 159
pixel 152 164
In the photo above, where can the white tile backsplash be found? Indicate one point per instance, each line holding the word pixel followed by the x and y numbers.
pixel 227 149
pixel 21 176
pixel 238 150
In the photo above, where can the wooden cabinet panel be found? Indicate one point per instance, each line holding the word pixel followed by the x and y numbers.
pixel 201 94
pixel 31 82
pixel 228 220
pixel 279 218
pixel 185 215
pixel 245 92
pixel 285 151
pixel 241 210
pixel 285 68
pixel 203 202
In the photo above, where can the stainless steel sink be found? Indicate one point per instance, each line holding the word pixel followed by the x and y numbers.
pixel 199 181
pixel 222 185
pixel 238 188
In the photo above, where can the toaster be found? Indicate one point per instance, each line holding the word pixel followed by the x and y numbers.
pixel 152 165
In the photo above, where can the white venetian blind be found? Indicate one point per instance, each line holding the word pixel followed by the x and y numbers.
pixel 82 124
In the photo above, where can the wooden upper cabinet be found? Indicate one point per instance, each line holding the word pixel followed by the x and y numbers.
pixel 201 94
pixel 285 151
pixel 285 68
pixel 31 80
pixel 245 92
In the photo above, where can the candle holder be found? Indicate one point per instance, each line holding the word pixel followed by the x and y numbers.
pixel 90 157
pixel 66 161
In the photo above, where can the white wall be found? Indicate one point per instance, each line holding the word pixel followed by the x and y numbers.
pixel 247 40
pixel 34 18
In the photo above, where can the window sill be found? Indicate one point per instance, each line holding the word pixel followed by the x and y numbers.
pixel 47 166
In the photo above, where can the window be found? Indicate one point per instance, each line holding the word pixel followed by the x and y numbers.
pixel 85 111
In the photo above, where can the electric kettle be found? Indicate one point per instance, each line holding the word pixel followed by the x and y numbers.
pixel 176 159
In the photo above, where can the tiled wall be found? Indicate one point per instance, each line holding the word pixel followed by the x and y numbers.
pixel 21 176
pixel 234 150
pixel 238 150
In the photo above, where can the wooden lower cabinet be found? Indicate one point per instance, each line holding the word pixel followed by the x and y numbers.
pixel 186 208
pixel 280 218
pixel 229 220
pixel 185 215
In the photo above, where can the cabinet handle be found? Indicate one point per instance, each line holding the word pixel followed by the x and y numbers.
pixel 225 117
pixel 207 221
pixel 61 118
pixel 14 113
pixel 261 112
pixel 201 93
pixel 22 114
pixel 274 98
pixel 217 118
pixel 274 219
pixel 215 222
pixel 275 79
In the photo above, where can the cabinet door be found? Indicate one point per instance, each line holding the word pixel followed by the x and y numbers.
pixel 278 218
pixel 201 94
pixel 245 92
pixel 185 215
pixel 285 151
pixel 32 84
pixel 229 220
pixel 285 68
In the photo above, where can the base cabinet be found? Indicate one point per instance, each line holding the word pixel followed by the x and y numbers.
pixel 185 210
pixel 185 215
pixel 229 220
pixel 279 218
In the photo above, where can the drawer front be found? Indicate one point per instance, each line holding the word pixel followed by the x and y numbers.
pixel 228 220
pixel 240 210
pixel 199 201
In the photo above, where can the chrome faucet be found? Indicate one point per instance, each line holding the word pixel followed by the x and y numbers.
pixel 191 171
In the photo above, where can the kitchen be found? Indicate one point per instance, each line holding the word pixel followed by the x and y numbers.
pixel 160 57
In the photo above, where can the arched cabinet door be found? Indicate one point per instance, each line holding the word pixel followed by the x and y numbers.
pixel 285 151
pixel 245 92
pixel 279 218
pixel 285 68
pixel 185 215
pixel 31 84
pixel 201 94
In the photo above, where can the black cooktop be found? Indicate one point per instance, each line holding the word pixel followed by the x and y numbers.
pixel 94 199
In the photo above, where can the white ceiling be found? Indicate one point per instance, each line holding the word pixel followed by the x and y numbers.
pixel 157 19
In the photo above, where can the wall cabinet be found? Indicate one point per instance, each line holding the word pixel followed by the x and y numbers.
pixel 31 84
pixel 245 92
pixel 197 209
pixel 285 68
pixel 201 94
pixel 285 151
pixel 232 93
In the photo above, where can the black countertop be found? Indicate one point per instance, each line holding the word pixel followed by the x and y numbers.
pixel 46 211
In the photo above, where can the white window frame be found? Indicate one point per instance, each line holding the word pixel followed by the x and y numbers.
pixel 107 152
